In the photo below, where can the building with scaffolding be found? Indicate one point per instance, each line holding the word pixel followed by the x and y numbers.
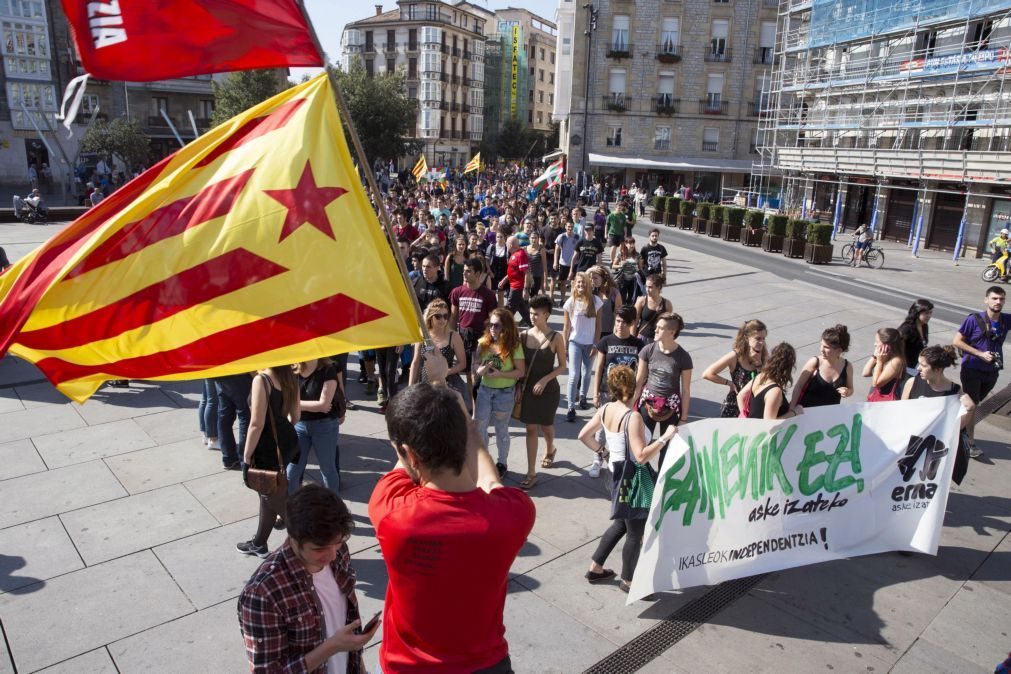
pixel 891 113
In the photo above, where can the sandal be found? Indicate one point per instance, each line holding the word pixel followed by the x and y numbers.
pixel 594 577
pixel 549 458
pixel 528 482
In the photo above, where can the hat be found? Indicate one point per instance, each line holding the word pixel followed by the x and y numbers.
pixel 523 239
pixel 1004 231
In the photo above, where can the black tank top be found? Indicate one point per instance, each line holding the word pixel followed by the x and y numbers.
pixel 820 392
pixel 648 318
pixel 921 389
pixel 757 410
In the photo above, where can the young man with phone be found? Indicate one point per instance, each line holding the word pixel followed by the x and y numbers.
pixel 449 531
pixel 299 611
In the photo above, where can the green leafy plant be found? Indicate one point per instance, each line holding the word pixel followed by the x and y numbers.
pixel 819 233
pixel 734 216
pixel 796 229
pixel 717 213
pixel 777 224
pixel 704 210
pixel 755 219
pixel 672 204
pixel 687 207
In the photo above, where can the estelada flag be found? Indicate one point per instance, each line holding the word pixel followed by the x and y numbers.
pixel 254 245
pixel 160 39
pixel 420 169
pixel 473 165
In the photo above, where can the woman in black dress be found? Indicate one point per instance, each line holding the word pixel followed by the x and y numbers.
pixel 828 377
pixel 766 397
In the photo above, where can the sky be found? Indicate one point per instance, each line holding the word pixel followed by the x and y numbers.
pixel 330 16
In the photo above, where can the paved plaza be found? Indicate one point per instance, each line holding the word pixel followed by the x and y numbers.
pixel 118 527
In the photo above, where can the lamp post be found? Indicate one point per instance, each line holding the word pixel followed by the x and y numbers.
pixel 591 25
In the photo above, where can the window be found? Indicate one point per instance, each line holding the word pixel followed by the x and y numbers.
pixel 159 104
pixel 710 139
pixel 530 116
pixel 665 90
pixel 542 53
pixel 613 136
pixel 540 117
pixel 412 68
pixel 619 34
pixel 616 84
pixel 370 67
pixel 718 43
pixel 540 74
pixel 476 125
pixel 430 35
pixel 551 98
pixel 431 91
pixel 412 39
pixel 391 40
pixel 89 104
pixel 670 36
pixel 566 46
pixel 431 63
pixel 531 97
pixel 391 65
pixel 551 78
pixel 552 58
pixel 477 98
pixel 206 108
pixel 478 72
pixel 412 93
pixel 26 50
pixel 27 9
pixel 714 87
pixel 478 48
pixel 429 120
pixel 661 138
pixel 540 96
pixel 532 69
pixel 369 46
pixel 766 42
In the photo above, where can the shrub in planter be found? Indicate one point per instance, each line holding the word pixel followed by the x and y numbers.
pixel 772 241
pixel 752 233
pixel 733 222
pixel 703 211
pixel 670 213
pixel 659 204
pixel 685 219
pixel 819 243
pixel 796 238
pixel 715 227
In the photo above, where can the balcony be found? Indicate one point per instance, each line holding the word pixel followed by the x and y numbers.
pixel 661 144
pixel 412 74
pixel 961 165
pixel 466 81
pixel 475 109
pixel 619 50
pixel 616 102
pixel 370 48
pixel 455 79
pixel 718 55
pixel 466 54
pixel 444 48
pixel 763 56
pixel 668 53
pixel 457 51
pixel 443 77
pixel 158 122
pixel 666 104
pixel 474 135
pixel 709 106
pixel 412 46
pixel 454 107
pixel 710 146
pixel 443 105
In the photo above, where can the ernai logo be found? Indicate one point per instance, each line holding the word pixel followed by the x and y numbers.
pixel 106 22
pixel 933 451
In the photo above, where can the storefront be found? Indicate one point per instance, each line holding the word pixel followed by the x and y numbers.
pixel 705 177
pixel 947 217
pixel 900 210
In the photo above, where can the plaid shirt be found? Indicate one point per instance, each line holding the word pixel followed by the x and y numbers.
pixel 281 617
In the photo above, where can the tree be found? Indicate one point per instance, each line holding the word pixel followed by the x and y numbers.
pixel 381 112
pixel 119 137
pixel 242 90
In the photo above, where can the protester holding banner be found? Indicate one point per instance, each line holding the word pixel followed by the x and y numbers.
pixel 628 454
pixel 887 366
pixel 664 378
pixel 828 377
pixel 744 360
pixel 766 397
pixel 930 381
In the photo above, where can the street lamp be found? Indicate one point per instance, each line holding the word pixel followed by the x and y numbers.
pixel 591 25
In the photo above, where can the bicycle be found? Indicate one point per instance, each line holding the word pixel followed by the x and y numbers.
pixel 873 255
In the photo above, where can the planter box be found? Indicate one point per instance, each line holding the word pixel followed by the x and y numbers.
pixel 751 237
pixel 818 254
pixel 669 219
pixel 772 243
pixel 685 221
pixel 655 216
pixel 730 232
pixel 714 229
pixel 794 248
pixel 699 225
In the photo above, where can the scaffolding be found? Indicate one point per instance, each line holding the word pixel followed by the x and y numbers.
pixel 903 93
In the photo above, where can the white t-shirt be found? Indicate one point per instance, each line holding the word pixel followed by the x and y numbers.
pixel 583 326
pixel 335 614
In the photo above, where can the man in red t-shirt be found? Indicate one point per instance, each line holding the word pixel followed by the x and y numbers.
pixel 449 531
pixel 517 278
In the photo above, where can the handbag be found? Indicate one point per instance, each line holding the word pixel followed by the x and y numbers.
pixel 877 395
pixel 746 403
pixel 632 491
pixel 339 404
pixel 521 385
pixel 263 481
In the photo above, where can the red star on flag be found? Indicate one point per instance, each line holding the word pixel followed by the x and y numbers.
pixel 306 203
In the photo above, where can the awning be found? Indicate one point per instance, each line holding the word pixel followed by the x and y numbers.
pixel 552 155
pixel 680 164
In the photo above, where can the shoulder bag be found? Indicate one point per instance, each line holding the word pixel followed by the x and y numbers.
pixel 632 491
pixel 263 481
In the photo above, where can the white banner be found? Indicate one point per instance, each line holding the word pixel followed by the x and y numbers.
pixel 738 497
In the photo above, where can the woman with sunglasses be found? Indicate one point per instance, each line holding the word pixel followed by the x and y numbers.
pixel 448 342
pixel 499 362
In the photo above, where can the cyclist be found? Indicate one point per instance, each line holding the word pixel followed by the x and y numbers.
pixel 862 241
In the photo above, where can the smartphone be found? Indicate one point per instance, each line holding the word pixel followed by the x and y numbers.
pixel 372 623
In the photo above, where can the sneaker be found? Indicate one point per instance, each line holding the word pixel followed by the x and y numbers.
pixel 233 465
pixel 570 415
pixel 501 467
pixel 204 439
pixel 250 548
pixel 975 452
pixel 595 468
pixel 214 444
pixel 583 405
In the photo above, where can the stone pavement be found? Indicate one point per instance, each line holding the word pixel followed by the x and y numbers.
pixel 117 529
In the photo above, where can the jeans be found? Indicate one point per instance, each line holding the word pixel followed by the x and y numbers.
pixel 579 361
pixel 208 409
pixel 233 401
pixel 495 407
pixel 319 435
pixel 632 530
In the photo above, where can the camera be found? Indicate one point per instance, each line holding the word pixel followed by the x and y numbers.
pixel 998 359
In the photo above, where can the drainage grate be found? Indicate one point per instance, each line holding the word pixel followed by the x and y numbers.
pixel 993 403
pixel 650 644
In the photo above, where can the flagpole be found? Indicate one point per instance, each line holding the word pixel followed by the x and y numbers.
pixel 384 220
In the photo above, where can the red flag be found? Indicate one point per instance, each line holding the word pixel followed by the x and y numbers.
pixel 161 39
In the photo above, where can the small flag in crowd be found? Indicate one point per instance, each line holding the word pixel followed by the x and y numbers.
pixel 552 175
pixel 436 175
pixel 246 248
pixel 420 169
pixel 144 41
pixel 473 165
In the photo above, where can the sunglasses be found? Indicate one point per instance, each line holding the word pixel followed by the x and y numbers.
pixel 494 326
pixel 443 317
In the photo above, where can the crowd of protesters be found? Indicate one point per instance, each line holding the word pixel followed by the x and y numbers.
pixel 493 261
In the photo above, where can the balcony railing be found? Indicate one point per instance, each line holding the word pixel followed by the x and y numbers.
pixel 668 53
pixel 466 81
pixel 466 54
pixel 619 50
pixel 455 79
pixel 661 144
pixel 158 122
pixel 444 77
pixel 370 48
pixel 713 106
pixel 474 135
pixel 445 48
pixel 412 74
pixel 454 107
pixel 443 105
pixel 718 56
pixel 754 108
pixel 665 104
pixel 616 102
pixel 710 146
pixel 763 56
pixel 412 46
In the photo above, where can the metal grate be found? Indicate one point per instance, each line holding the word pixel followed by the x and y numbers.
pixel 993 403
pixel 650 644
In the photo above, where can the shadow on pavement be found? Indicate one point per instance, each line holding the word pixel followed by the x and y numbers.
pixel 13 584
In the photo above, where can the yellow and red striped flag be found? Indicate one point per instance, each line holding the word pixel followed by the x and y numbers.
pixel 473 165
pixel 254 245
pixel 420 169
